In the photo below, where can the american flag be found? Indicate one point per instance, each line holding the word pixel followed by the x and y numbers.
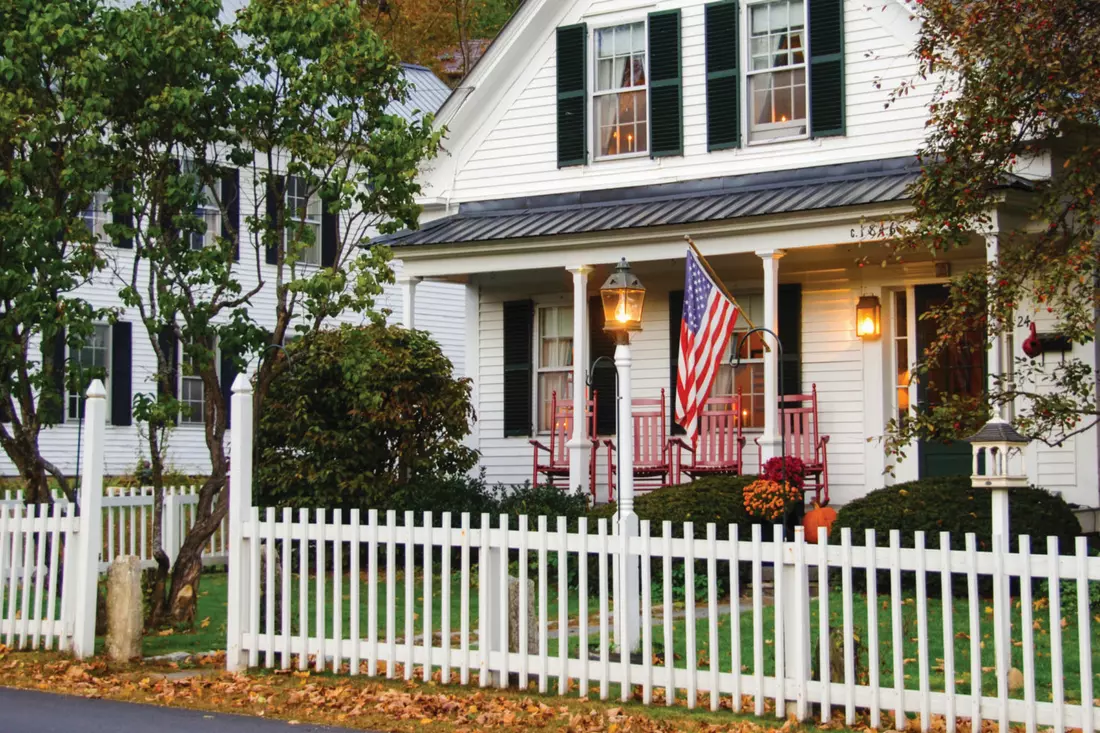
pixel 709 317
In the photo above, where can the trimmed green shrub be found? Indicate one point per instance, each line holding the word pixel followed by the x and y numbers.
pixel 951 504
pixel 542 500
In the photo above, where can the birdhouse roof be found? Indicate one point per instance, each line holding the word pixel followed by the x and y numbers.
pixel 998 431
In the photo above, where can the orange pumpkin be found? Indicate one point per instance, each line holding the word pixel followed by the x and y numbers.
pixel 819 516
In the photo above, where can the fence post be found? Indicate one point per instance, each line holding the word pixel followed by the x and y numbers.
pixel 794 614
pixel 91 518
pixel 240 506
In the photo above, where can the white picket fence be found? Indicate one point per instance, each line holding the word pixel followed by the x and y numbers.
pixel 128 523
pixel 298 582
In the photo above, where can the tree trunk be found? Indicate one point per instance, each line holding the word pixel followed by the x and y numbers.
pixel 183 598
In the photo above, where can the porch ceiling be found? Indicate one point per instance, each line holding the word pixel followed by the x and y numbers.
pixel 708 200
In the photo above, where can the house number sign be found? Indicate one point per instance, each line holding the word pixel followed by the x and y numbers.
pixel 882 230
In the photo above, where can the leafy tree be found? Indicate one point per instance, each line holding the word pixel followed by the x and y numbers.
pixel 52 105
pixel 1015 82
pixel 355 415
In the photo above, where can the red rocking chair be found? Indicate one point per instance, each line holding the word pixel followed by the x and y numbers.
pixel 652 448
pixel 798 413
pixel 717 449
pixel 555 456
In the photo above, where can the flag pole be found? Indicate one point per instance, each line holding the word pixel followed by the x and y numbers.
pixel 718 281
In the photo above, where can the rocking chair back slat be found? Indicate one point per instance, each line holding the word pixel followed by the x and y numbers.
pixel 802 439
pixel 652 454
pixel 717 448
pixel 553 466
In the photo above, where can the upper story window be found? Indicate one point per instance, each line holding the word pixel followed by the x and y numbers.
pixel 303 219
pixel 96 216
pixel 776 74
pixel 621 97
pixel 192 391
pixel 210 215
pixel 91 360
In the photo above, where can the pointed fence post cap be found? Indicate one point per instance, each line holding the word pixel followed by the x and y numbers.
pixel 242 385
pixel 96 390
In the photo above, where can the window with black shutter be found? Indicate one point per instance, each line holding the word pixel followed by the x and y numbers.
pixel 273 238
pixel 122 212
pixel 723 53
pixel 572 78
pixel 330 233
pixel 121 373
pixel 601 344
pixel 519 318
pixel 666 87
pixel 227 374
pixel 231 202
pixel 790 332
pixel 675 322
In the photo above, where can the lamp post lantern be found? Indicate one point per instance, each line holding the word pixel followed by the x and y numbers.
pixel 623 296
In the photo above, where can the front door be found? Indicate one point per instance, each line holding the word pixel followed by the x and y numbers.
pixel 961 372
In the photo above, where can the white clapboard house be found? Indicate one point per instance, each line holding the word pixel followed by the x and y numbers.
pixel 124 351
pixel 594 130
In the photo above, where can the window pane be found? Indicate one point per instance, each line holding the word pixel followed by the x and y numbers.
pixel 549 384
pixel 639 38
pixel 759 19
pixel 639 71
pixel 603 74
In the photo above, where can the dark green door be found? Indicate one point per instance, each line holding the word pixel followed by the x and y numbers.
pixel 961 372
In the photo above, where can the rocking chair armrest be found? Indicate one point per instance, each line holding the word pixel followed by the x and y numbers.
pixel 538 445
pixel 609 443
pixel 741 440
pixel 824 439
pixel 681 443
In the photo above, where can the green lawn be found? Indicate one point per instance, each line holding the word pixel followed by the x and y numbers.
pixel 212 610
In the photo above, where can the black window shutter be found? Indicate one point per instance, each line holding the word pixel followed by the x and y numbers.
pixel 572 51
pixel 330 233
pixel 54 412
pixel 601 343
pixel 276 191
pixel 123 215
pixel 122 370
pixel 675 321
pixel 723 76
pixel 666 123
pixel 790 331
pixel 228 375
pixel 826 68
pixel 519 322
pixel 170 346
pixel 231 203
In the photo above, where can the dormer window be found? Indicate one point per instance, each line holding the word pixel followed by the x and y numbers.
pixel 621 96
pixel 776 74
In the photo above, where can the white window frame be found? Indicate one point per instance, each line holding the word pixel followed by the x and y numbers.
pixel 75 399
pixel 293 219
pixel 594 95
pixel 539 369
pixel 211 214
pixel 182 379
pixel 910 337
pixel 747 127
pixel 96 216
pixel 753 302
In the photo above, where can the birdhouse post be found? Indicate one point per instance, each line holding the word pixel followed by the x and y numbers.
pixel 999 466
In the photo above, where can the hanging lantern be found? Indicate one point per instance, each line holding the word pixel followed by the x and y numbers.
pixel 623 295
pixel 869 317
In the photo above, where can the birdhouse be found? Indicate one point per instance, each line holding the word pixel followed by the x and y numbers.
pixel 998 456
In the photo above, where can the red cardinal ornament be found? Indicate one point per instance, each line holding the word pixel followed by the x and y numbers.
pixel 1032 346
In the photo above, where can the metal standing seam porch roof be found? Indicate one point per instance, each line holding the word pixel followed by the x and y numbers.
pixel 689 202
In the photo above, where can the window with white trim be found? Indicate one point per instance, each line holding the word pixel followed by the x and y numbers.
pixel 303 217
pixel 902 383
pixel 554 360
pixel 749 375
pixel 621 94
pixel 211 217
pixel 192 391
pixel 96 217
pixel 776 73
pixel 91 360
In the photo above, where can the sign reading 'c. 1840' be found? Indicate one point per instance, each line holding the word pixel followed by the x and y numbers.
pixel 882 230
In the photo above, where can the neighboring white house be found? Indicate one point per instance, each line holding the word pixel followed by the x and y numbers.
pixel 123 349
pixel 599 129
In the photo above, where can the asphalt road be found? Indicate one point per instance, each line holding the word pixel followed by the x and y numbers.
pixel 23 711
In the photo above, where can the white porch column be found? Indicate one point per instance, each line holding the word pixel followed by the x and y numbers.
pixel 770 440
pixel 579 446
pixel 996 342
pixel 408 301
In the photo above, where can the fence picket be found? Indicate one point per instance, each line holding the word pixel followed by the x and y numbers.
pixel 689 615
pixel 758 620
pixel 712 612
pixel 778 636
pixel 351 534
pixel 7 589
pixel 848 626
pixel 824 640
pixel 410 593
pixel 735 617
pixel 1057 668
pixel 13 574
pixel 372 593
pixel 947 603
pixel 563 607
pixel 39 572
pixel 28 569
pixel 582 618
pixel 391 594
pixel 1084 635
pixel 427 586
pixel 483 567
pixel 322 619
pixel 896 630
pixel 269 589
pixel 445 602
pixel 522 644
pixel 254 591
pixel 544 640
pixel 873 662
pixel 337 590
pixel 666 615
pixel 647 614
pixel 1002 635
pixel 302 532
pixel 975 631
pixel 922 634
pixel 605 641
pixel 464 599
pixel 503 600
pixel 1027 633
pixel 286 558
